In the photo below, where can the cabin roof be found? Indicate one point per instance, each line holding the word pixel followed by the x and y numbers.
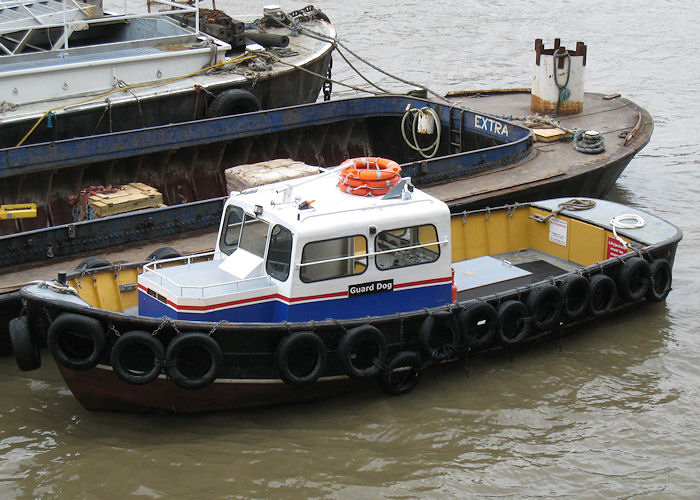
pixel 329 206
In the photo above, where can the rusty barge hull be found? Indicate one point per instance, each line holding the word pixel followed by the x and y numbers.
pixel 186 163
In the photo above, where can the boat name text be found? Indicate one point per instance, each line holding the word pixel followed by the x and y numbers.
pixel 490 125
pixel 371 287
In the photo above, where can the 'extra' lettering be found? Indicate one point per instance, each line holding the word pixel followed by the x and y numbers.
pixel 490 125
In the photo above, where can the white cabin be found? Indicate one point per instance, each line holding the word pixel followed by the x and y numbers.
pixel 304 250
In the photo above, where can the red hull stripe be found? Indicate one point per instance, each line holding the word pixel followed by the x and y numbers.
pixel 282 298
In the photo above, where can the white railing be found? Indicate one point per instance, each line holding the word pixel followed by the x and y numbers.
pixel 34 20
pixel 233 285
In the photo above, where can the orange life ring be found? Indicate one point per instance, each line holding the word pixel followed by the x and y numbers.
pixel 362 190
pixel 349 181
pixel 368 176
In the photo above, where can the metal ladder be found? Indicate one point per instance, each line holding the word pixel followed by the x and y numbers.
pixel 456 126
pixel 21 19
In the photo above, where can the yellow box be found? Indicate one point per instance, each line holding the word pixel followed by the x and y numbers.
pixel 134 196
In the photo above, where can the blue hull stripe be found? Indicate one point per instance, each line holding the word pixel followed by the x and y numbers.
pixel 276 309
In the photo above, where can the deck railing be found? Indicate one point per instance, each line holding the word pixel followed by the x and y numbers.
pixel 234 285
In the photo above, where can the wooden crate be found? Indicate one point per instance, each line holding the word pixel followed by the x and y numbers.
pixel 550 134
pixel 134 196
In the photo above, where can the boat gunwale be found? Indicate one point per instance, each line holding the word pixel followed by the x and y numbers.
pixel 669 245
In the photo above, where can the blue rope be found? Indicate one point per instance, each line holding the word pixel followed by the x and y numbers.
pixel 588 142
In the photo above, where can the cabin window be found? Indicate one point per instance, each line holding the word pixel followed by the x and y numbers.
pixel 231 232
pixel 336 258
pixel 254 235
pixel 408 246
pixel 243 230
pixel 279 253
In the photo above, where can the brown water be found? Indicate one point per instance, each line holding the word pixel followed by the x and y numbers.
pixel 612 413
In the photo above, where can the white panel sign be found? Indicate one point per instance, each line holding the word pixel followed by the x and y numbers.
pixel 557 231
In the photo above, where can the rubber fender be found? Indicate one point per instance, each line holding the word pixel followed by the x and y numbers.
pixel 576 294
pixel 193 360
pixel 479 324
pixel 234 102
pixel 634 279
pixel 361 349
pixel 545 303
pixel 76 341
pixel 515 324
pixel 303 351
pixel 24 344
pixel 661 280
pixel 92 262
pixel 137 357
pixel 163 253
pixel 438 336
pixel 403 374
pixel 603 294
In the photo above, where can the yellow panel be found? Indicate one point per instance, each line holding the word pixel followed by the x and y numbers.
pixel 101 289
pixel 539 235
pixel 589 243
pixel 488 233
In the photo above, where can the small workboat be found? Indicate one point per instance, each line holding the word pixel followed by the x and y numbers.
pixel 320 284
pixel 70 69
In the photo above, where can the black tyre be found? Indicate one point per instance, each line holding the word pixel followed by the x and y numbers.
pixel 92 262
pixel 360 350
pixel 661 279
pixel 301 358
pixel 233 102
pixel 545 304
pixel 479 324
pixel 163 253
pixel 76 341
pixel 603 294
pixel 576 294
pixel 193 360
pixel 24 345
pixel 438 336
pixel 515 324
pixel 634 279
pixel 403 373
pixel 137 357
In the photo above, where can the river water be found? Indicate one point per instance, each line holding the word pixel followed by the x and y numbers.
pixel 611 412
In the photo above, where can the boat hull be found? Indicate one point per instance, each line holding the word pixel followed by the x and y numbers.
pixel 255 366
pixel 101 389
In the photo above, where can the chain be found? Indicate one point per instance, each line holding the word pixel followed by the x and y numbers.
pixel 166 321
pixel 215 327
pixel 328 83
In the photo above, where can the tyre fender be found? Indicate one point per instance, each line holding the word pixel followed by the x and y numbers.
pixel 479 324
pixel 361 349
pixel 189 347
pixel 634 279
pixel 76 341
pixel 403 374
pixel 603 294
pixel 233 102
pixel 576 295
pixel 661 279
pixel 301 346
pixel 545 303
pixel 515 323
pixel 92 262
pixel 137 357
pixel 24 344
pixel 438 336
pixel 163 253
